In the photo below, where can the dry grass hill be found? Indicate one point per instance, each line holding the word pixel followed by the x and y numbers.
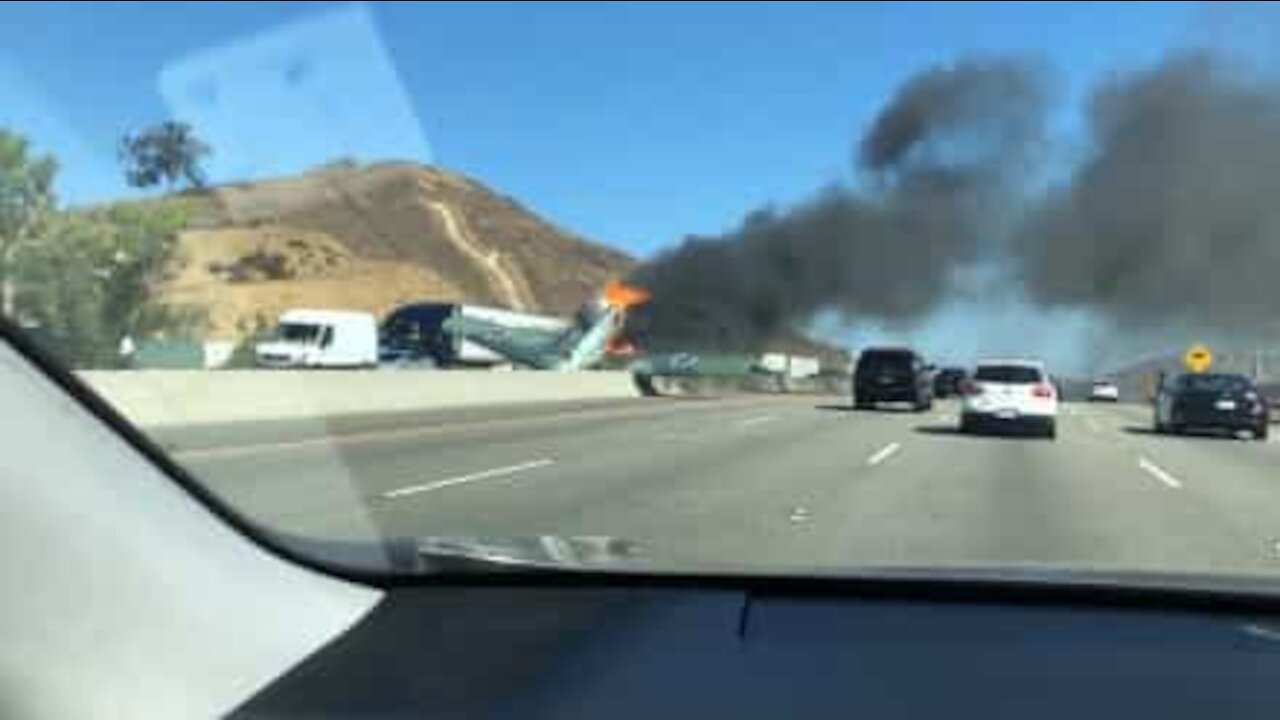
pixel 370 238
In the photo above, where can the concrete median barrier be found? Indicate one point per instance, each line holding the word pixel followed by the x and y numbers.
pixel 176 397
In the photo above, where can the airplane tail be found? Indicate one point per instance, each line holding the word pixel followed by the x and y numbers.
pixel 598 325
pixel 595 330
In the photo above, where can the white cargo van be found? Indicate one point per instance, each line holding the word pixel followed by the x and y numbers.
pixel 321 339
pixel 792 366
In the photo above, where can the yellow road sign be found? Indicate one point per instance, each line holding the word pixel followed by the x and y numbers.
pixel 1197 359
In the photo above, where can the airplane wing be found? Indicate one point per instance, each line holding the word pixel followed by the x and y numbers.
pixel 526 346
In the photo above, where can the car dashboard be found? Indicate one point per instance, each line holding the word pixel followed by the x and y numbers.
pixel 514 650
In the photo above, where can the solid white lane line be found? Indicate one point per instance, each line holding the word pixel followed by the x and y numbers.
pixel 224 451
pixel 323 441
pixel 1158 473
pixel 472 477
pixel 757 420
pixel 883 454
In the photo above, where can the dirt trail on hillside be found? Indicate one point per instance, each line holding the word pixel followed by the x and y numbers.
pixel 512 287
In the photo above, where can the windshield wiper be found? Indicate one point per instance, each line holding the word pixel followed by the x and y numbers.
pixel 523 554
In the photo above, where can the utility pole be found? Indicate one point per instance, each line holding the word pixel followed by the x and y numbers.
pixel 8 292
pixel 6 285
pixel 8 280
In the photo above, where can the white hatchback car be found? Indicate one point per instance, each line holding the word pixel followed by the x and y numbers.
pixel 1007 395
pixel 1104 391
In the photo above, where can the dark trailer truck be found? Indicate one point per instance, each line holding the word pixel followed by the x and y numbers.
pixel 419 334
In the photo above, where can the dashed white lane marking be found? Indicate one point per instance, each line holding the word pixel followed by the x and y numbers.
pixel 757 420
pixel 883 454
pixel 1158 473
pixel 471 477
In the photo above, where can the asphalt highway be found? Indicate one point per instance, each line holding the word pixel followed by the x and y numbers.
pixel 767 483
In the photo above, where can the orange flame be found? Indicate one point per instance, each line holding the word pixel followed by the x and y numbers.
pixel 620 296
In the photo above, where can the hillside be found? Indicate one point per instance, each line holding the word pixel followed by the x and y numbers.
pixel 370 238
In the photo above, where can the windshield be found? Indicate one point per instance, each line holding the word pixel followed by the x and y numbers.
pixel 731 286
pixel 1215 383
pixel 886 361
pixel 415 327
pixel 1013 374
pixel 400 334
pixel 299 333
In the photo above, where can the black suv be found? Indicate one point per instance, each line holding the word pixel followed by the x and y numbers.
pixel 892 375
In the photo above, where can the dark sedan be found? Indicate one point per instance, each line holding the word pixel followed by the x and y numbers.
pixel 946 383
pixel 1210 401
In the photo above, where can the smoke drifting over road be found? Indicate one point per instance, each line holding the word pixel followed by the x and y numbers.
pixel 1174 215
pixel 1170 219
pixel 940 162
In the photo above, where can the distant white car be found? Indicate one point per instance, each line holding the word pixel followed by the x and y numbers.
pixel 1104 391
pixel 1007 395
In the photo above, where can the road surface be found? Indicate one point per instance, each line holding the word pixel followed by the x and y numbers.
pixel 769 483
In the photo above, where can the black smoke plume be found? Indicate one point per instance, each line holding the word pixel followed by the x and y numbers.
pixel 1167 224
pixel 938 169
pixel 1173 216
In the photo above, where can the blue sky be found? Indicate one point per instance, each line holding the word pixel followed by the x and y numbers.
pixel 633 124
pixel 630 123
